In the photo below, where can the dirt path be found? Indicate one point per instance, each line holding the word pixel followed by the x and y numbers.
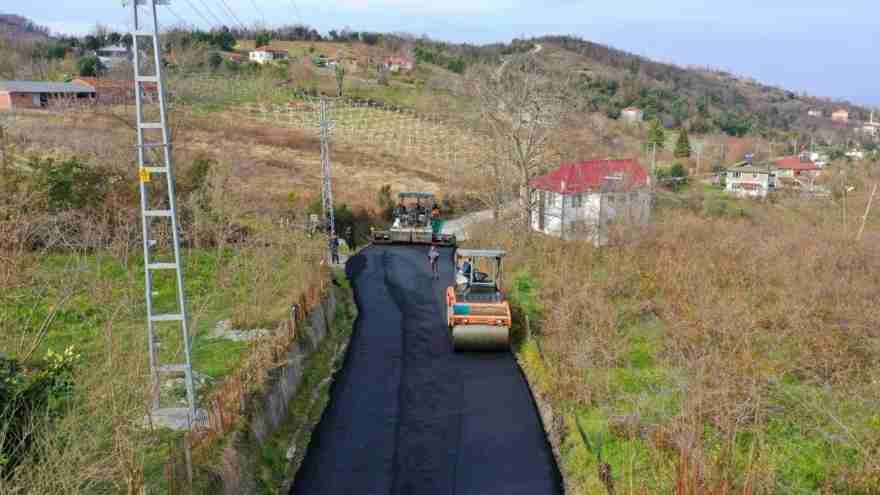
pixel 460 226
pixel 407 414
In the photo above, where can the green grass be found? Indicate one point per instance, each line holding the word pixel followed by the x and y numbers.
pixel 96 294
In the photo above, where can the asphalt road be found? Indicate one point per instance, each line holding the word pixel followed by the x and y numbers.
pixel 408 415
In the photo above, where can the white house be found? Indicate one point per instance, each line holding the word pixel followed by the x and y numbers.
pixel 871 128
pixel 267 54
pixel 113 55
pixel 580 200
pixel 397 64
pixel 750 180
pixel 814 113
pixel 632 114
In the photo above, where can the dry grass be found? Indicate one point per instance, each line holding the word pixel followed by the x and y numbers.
pixel 713 355
pixel 82 286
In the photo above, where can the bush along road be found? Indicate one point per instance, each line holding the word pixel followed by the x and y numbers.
pixel 407 414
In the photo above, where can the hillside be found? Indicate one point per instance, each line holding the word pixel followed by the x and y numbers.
pixel 20 28
pixel 609 80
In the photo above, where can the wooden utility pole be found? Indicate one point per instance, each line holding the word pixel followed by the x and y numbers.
pixel 867 212
pixel 3 148
pixel 845 193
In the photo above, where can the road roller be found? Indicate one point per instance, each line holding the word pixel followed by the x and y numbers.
pixel 477 312
pixel 416 221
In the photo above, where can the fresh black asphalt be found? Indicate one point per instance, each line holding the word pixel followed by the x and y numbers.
pixel 407 415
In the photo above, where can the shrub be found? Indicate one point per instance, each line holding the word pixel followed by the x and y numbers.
pixel 69 184
pixel 90 66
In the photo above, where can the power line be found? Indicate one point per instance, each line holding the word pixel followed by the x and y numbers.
pixel 175 14
pixel 259 11
pixel 232 13
pixel 211 13
pixel 199 13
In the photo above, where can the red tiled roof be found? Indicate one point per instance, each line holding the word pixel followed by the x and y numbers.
pixel 794 163
pixel 588 176
pixel 632 109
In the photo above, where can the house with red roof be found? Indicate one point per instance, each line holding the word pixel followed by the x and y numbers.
pixel 580 200
pixel 267 54
pixel 751 180
pixel 796 167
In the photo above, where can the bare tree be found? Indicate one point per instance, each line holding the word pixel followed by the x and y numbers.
pixel 521 107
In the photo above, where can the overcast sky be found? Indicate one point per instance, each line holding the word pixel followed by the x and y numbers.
pixel 827 47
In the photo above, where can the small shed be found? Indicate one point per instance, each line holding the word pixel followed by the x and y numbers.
pixel 632 115
pixel 39 94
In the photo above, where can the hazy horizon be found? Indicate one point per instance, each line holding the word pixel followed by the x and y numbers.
pixel 824 50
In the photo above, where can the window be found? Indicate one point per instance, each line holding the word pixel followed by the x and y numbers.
pixel 577 201
pixel 736 174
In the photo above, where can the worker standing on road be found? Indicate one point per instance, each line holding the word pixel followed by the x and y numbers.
pixel 349 238
pixel 433 257
pixel 435 219
pixel 334 249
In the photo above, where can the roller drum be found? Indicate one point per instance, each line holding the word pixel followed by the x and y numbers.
pixel 480 338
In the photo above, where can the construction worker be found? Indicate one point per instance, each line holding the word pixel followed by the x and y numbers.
pixel 334 249
pixel 400 211
pixel 466 268
pixel 349 238
pixel 433 257
pixel 435 219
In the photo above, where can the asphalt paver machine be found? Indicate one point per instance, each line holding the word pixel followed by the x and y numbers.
pixel 477 311
pixel 414 222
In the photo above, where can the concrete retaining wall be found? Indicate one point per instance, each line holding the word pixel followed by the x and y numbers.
pixel 269 410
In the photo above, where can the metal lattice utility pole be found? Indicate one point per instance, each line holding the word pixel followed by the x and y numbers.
pixel 158 204
pixel 327 189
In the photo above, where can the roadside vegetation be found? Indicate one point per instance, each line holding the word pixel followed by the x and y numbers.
pixel 708 353
pixel 73 370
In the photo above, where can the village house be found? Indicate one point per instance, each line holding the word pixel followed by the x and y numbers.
pixel 632 115
pixel 117 91
pixel 871 128
pixel 398 63
pixel 841 115
pixel 113 55
pixel 267 55
pixel 814 113
pixel 580 200
pixel 748 180
pixel 40 94
pixel 796 167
